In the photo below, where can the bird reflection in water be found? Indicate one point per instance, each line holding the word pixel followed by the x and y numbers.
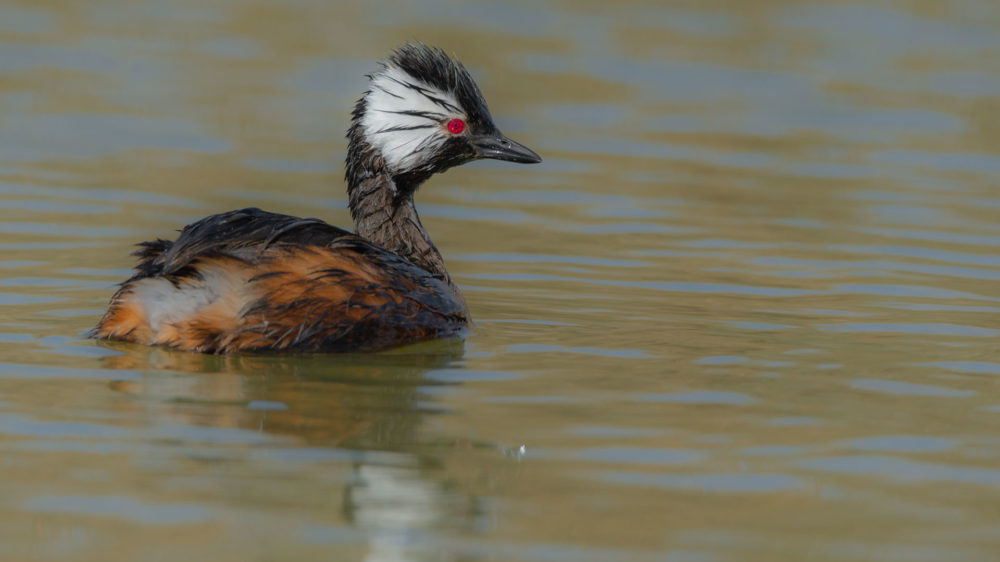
pixel 365 410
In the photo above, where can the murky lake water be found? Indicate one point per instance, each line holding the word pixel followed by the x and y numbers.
pixel 745 310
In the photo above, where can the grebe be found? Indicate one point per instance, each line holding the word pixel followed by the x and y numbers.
pixel 250 280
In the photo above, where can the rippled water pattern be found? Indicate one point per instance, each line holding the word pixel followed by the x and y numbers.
pixel 745 310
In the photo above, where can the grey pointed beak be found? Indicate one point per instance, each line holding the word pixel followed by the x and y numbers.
pixel 499 147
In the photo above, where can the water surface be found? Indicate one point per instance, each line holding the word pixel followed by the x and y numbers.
pixel 745 310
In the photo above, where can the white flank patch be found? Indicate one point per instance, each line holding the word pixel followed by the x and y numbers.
pixel 166 304
pixel 388 96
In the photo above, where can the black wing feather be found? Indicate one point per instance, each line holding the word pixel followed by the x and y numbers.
pixel 228 232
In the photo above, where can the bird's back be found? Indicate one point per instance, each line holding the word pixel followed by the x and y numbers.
pixel 250 280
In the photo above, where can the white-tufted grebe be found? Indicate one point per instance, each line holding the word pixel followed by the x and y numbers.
pixel 250 280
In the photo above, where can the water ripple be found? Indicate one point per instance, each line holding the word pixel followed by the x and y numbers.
pixel 126 508
pixel 698 397
pixel 711 483
pixel 904 470
pixel 909 389
pixel 916 329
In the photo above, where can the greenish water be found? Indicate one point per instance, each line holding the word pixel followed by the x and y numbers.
pixel 745 310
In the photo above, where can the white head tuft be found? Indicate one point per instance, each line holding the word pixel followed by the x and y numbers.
pixel 405 117
pixel 422 114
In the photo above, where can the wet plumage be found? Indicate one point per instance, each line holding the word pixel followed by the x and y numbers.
pixel 250 280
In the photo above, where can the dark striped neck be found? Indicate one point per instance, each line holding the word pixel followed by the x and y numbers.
pixel 386 216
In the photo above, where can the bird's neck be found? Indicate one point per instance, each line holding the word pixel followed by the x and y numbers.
pixel 384 213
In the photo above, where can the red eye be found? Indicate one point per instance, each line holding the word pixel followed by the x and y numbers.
pixel 456 126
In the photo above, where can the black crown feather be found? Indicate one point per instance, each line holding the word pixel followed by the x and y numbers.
pixel 434 67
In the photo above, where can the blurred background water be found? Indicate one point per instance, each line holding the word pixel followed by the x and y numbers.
pixel 745 310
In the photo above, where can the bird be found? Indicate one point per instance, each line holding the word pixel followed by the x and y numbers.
pixel 254 281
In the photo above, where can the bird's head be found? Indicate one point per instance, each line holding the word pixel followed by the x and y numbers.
pixel 423 114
